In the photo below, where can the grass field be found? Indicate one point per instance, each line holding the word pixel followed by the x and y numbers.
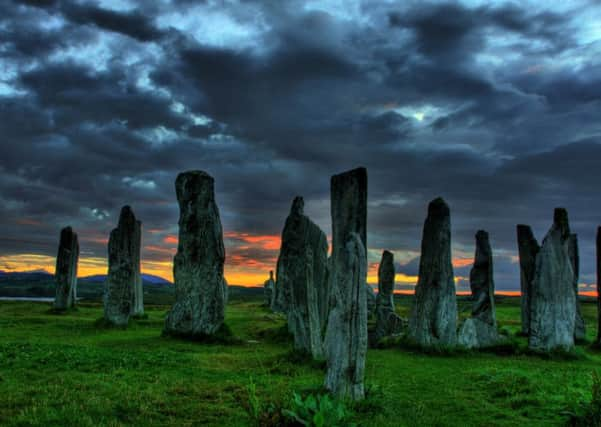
pixel 64 370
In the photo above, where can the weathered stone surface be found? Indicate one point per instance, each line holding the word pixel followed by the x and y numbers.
pixel 528 248
pixel 346 335
pixel 552 302
pixel 370 296
pixel 301 276
pixel 433 318
pixel 268 289
pixel 123 269
pixel 387 321
pixel 138 302
pixel 65 275
pixel 598 247
pixel 579 327
pixel 200 288
pixel 348 192
pixel 481 329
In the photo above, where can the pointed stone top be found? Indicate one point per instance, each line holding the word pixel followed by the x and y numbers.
pixel 438 208
pixel 127 216
pixel 387 256
pixel 298 206
pixel 67 229
pixel 481 235
pixel 560 221
pixel 270 274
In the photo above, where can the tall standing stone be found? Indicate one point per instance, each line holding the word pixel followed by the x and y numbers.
pixel 387 321
pixel 301 271
pixel 200 288
pixel 433 318
pixel 138 303
pixel 123 270
pixel 528 248
pixel 346 334
pixel 579 327
pixel 598 247
pixel 481 329
pixel 268 289
pixel 553 303
pixel 65 275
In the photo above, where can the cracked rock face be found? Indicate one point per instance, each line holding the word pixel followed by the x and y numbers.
pixel 481 329
pixel 200 287
pixel 346 336
pixel 552 302
pixel 65 275
pixel 579 327
pixel 387 321
pixel 433 318
pixel 345 341
pixel 301 279
pixel 528 249
pixel 124 269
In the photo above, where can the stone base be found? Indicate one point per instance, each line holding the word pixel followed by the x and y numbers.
pixel 477 334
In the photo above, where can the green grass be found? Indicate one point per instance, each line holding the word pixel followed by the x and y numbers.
pixel 64 370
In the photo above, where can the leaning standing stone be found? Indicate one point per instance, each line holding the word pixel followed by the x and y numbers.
pixel 346 336
pixel 200 288
pixel 124 269
pixel 579 327
pixel 481 329
pixel 65 274
pixel 553 303
pixel 433 318
pixel 528 249
pixel 302 266
pixel 387 321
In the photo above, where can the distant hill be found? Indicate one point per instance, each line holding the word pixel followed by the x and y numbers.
pixel 156 289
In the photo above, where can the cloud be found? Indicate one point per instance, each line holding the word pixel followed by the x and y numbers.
pixel 495 108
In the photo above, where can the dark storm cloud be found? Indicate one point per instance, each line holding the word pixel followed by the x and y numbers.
pixel 494 108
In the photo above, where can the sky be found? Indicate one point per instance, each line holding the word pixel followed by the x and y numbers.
pixel 495 106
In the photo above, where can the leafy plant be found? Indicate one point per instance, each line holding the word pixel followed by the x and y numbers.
pixel 318 411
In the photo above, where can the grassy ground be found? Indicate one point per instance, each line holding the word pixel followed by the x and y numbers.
pixel 64 370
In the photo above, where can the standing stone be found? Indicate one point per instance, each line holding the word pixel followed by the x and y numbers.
pixel 124 269
pixel 387 321
pixel 552 302
pixel 138 303
pixel 433 318
pixel 481 329
pixel 301 272
pixel 598 285
pixel 528 249
pixel 579 328
pixel 346 333
pixel 346 336
pixel 268 289
pixel 200 288
pixel 65 274
pixel 371 300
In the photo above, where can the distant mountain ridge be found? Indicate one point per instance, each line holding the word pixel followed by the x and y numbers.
pixel 157 290
pixel 43 274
